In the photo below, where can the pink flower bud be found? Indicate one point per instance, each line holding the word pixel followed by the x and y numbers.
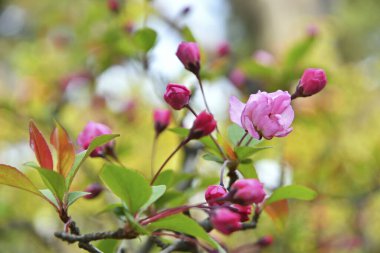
pixel 213 193
pixel 113 5
pixel 203 125
pixel 265 241
pixel 312 30
pixel 224 49
pixel 264 58
pixel 237 77
pixel 247 192
pixel 161 119
pixel 188 54
pixel 244 211
pixel 225 220
pixel 265 115
pixel 177 96
pixel 90 132
pixel 312 82
pixel 94 189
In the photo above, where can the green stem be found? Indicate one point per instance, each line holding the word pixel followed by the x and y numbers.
pixel 153 155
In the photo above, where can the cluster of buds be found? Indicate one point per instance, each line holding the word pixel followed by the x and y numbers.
pixel 231 208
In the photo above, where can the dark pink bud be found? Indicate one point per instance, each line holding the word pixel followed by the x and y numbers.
pixel 225 220
pixel 244 211
pixel 188 54
pixel 265 241
pixel 90 132
pixel 177 96
pixel 237 77
pixel 247 192
pixel 113 5
pixel 213 193
pixel 94 189
pixel 161 120
pixel 203 125
pixel 312 82
pixel 224 49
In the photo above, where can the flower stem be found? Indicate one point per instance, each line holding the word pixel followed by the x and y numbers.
pixel 203 93
pixel 168 159
pixel 242 139
pixel 153 155
pixel 249 141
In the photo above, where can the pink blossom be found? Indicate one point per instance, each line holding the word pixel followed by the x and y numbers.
pixel 203 125
pixel 161 119
pixel 223 49
pixel 90 132
pixel 188 54
pixel 247 192
pixel 264 57
pixel 237 77
pixel 177 96
pixel 243 211
pixel 265 115
pixel 213 193
pixel 225 220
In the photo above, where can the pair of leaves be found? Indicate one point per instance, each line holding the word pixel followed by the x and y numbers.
pixel 131 187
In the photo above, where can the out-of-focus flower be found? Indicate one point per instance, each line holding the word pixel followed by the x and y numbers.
pixel 188 54
pixel 312 82
pixel 237 77
pixel 113 5
pixel 225 220
pixel 203 125
pixel 177 96
pixel 264 57
pixel 213 193
pixel 265 241
pixel 223 49
pixel 265 115
pixel 94 189
pixel 247 192
pixel 90 132
pixel 161 119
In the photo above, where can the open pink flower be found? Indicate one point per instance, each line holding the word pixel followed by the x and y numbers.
pixel 265 115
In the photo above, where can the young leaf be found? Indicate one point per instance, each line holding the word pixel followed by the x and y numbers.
pixel 214 158
pixel 187 34
pixel 81 157
pixel 291 192
pixel 65 149
pixel 182 132
pixel 74 196
pixel 245 152
pixel 50 196
pixel 298 52
pixel 235 133
pixel 40 147
pixel 183 224
pixel 247 170
pixel 128 185
pixel 13 177
pixel 157 192
pixel 54 181
pixel 145 38
pixel 165 178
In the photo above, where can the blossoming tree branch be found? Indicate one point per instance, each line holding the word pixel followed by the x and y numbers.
pixel 234 204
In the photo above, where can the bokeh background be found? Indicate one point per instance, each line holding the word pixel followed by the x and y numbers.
pixel 76 61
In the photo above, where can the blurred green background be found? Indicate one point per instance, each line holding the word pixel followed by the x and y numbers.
pixel 76 61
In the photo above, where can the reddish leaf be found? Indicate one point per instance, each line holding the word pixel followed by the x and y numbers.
pixel 40 147
pixel 278 211
pixel 65 149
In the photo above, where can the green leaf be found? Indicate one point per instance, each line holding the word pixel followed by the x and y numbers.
pixel 209 144
pixel 291 192
pixel 187 34
pixel 298 52
pixel 13 177
pixel 74 196
pixel 247 170
pixel 157 192
pixel 211 157
pixel 183 224
pixel 183 132
pixel 49 195
pixel 235 133
pixel 81 157
pixel 145 39
pixel 108 245
pixel 245 152
pixel 52 180
pixel 110 208
pixel 128 185
pixel 165 178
